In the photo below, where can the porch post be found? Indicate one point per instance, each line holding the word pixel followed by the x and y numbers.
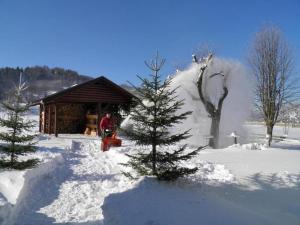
pixel 40 124
pixel 49 119
pixel 55 120
pixel 99 118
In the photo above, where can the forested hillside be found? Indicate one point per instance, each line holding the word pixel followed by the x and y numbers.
pixel 41 81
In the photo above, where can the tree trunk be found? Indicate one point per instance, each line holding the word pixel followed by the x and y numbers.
pixel 214 111
pixel 270 134
pixel 55 120
pixel 214 131
pixel 154 159
pixel 12 156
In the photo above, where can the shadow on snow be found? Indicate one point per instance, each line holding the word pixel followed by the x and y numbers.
pixel 151 202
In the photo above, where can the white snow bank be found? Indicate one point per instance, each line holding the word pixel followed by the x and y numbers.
pixel 11 183
pixel 32 178
pixel 14 184
pixel 208 172
pixel 254 146
pixel 249 146
pixel 216 172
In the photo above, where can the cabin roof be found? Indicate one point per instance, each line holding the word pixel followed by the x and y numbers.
pixel 99 89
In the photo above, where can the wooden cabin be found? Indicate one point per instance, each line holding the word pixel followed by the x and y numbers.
pixel 79 108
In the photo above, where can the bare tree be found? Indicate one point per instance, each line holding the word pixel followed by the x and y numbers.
pixel 271 61
pixel 214 109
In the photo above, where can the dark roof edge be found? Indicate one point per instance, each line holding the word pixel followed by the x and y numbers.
pixel 49 97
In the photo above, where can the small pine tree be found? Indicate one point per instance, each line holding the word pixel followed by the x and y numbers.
pixel 18 142
pixel 154 115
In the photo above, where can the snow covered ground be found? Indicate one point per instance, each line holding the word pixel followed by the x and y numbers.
pixel 79 184
pixel 264 189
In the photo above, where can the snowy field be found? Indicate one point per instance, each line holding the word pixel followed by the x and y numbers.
pixel 78 184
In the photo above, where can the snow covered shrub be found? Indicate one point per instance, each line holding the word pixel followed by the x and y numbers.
pixel 156 112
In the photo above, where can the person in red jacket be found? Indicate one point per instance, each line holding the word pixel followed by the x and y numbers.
pixel 106 125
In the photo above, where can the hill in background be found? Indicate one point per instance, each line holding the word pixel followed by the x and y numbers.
pixel 41 81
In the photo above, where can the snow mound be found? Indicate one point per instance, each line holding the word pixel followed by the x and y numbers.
pixel 254 146
pixel 16 185
pixel 209 173
pixel 11 183
pixel 32 177
pixel 216 172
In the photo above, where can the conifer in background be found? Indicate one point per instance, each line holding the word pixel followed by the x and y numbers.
pixel 17 139
pixel 153 117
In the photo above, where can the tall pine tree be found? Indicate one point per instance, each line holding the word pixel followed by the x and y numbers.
pixel 155 114
pixel 18 141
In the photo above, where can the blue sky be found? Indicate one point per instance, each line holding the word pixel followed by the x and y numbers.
pixel 114 37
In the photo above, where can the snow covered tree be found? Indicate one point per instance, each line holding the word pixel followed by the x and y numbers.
pixel 155 114
pixel 213 109
pixel 18 142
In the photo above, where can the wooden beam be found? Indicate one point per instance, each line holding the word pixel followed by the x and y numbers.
pixel 99 118
pixel 49 119
pixel 40 124
pixel 55 120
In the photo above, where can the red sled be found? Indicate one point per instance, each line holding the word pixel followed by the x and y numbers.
pixel 110 141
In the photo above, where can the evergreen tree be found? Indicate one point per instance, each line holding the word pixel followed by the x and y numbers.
pixel 18 142
pixel 154 115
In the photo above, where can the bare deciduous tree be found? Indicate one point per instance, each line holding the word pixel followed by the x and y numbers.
pixel 271 61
